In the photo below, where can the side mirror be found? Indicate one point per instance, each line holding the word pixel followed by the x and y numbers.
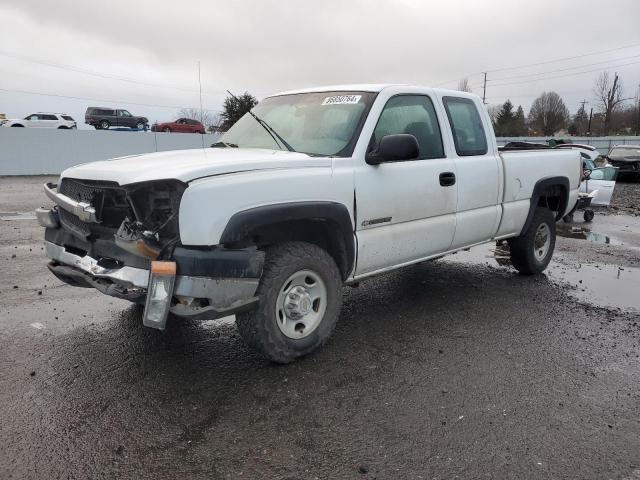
pixel 394 148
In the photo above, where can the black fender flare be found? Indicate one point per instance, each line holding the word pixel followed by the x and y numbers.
pixel 538 190
pixel 242 223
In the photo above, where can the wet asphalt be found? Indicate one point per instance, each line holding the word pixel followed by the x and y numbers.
pixel 457 368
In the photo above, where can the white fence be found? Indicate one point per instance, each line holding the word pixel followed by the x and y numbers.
pixel 30 151
pixel 603 144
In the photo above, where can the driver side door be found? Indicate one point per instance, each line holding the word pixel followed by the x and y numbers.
pixel 405 210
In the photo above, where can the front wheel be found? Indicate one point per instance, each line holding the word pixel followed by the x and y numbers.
pixel 300 298
pixel 140 125
pixel 531 252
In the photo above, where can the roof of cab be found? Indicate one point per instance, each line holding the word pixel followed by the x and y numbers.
pixel 367 87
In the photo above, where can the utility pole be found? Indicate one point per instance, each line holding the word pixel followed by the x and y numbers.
pixel 638 111
pixel 200 84
pixel 589 127
pixel 582 114
pixel 484 88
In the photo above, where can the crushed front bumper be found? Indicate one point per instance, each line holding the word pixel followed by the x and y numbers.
pixel 229 287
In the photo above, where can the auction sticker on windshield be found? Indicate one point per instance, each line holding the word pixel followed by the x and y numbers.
pixel 341 100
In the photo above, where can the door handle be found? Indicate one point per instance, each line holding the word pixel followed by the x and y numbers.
pixel 447 179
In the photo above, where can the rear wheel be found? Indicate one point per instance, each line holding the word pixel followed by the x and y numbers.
pixel 168 130
pixel 104 124
pixel 300 298
pixel 531 252
pixel 18 125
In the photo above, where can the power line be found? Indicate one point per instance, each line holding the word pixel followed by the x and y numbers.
pixel 563 69
pixel 27 92
pixel 565 75
pixel 564 59
pixel 539 63
pixel 108 76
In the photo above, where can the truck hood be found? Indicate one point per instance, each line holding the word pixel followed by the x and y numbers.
pixel 188 165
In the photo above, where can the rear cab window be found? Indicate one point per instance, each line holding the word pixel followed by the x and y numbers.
pixel 469 136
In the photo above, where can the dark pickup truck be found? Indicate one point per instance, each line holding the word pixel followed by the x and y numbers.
pixel 103 118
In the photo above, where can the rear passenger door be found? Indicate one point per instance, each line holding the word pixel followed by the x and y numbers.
pixel 49 121
pixel 478 171
pixel 405 210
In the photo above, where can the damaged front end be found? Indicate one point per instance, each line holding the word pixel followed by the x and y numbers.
pixel 105 236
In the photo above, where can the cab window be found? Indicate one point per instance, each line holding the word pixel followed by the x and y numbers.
pixel 468 134
pixel 414 115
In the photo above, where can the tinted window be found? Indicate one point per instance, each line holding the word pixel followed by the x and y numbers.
pixel 466 125
pixel 46 116
pixel 103 112
pixel 415 115
pixel 68 118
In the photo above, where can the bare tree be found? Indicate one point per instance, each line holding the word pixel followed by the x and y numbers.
pixel 206 117
pixel 493 113
pixel 548 113
pixel 608 97
pixel 463 85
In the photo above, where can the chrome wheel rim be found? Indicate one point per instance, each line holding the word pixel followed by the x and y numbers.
pixel 301 304
pixel 542 242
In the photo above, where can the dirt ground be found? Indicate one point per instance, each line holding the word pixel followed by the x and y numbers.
pixel 457 368
pixel 626 198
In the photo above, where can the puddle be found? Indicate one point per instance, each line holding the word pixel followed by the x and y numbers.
pixel 583 233
pixel 597 284
pixel 8 216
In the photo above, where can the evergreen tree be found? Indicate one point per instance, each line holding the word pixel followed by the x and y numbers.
pixel 504 120
pixel 235 107
pixel 519 123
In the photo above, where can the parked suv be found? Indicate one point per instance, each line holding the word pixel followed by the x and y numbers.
pixel 42 120
pixel 182 125
pixel 103 118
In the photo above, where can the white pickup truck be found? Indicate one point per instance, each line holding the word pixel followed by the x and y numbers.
pixel 312 190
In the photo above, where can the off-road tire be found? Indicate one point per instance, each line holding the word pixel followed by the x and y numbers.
pixel 258 328
pixel 522 248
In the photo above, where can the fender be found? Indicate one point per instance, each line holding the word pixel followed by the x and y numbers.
pixel 538 190
pixel 242 223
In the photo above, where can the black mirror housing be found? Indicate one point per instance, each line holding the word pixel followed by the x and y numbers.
pixel 394 148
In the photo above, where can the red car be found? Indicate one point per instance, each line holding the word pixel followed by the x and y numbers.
pixel 182 125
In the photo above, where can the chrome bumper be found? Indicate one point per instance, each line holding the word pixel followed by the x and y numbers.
pixel 82 210
pixel 225 295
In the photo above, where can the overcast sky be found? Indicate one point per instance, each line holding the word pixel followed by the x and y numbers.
pixel 146 52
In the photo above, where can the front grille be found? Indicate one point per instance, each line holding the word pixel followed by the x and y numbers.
pixel 74 224
pixel 107 198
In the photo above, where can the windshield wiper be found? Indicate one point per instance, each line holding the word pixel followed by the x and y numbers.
pixel 268 128
pixel 223 145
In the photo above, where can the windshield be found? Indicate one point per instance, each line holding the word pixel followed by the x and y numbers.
pixel 320 123
pixel 624 152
